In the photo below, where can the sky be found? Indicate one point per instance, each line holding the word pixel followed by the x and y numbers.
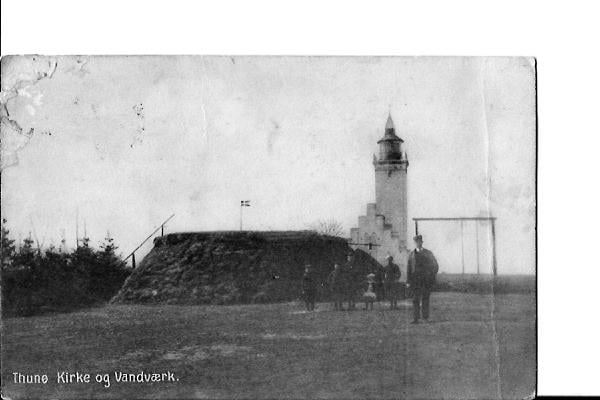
pixel 121 143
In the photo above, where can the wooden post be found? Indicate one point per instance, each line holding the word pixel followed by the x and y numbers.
pixel 416 227
pixel 132 260
pixel 494 265
pixel 462 246
pixel 162 230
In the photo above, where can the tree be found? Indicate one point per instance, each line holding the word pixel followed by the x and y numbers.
pixel 83 260
pixel 36 280
pixel 330 227
pixel 25 258
pixel 8 274
pixel 56 278
pixel 25 276
pixel 109 270
pixel 8 247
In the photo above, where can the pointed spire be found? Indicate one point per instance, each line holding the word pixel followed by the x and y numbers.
pixel 390 123
pixel 390 131
pixel 389 145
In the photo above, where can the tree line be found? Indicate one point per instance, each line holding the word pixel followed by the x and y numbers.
pixel 36 280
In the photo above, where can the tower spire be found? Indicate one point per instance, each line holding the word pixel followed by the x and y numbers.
pixel 390 145
pixel 389 125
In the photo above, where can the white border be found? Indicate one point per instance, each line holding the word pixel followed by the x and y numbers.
pixel 563 38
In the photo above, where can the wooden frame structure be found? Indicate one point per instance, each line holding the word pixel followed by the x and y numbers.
pixel 462 221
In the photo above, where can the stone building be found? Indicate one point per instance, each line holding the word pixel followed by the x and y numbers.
pixel 383 230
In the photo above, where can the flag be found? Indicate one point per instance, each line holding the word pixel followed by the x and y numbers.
pixel 245 203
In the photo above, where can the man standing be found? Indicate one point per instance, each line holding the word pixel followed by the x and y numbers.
pixel 335 280
pixel 352 280
pixel 309 288
pixel 422 269
pixel 391 282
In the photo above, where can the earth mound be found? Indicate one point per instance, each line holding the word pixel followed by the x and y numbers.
pixel 235 267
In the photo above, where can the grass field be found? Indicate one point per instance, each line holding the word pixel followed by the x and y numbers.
pixel 476 346
pixel 485 283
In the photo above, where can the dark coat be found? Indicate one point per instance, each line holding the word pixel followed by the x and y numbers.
pixel 422 269
pixel 336 282
pixel 391 272
pixel 391 275
pixel 309 284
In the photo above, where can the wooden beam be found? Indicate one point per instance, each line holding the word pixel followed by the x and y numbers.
pixel 149 236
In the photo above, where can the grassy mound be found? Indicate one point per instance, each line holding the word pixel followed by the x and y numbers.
pixel 234 267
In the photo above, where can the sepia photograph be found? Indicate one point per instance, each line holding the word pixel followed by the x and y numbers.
pixel 268 227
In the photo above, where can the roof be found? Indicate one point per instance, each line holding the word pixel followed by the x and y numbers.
pixel 390 131
pixel 390 123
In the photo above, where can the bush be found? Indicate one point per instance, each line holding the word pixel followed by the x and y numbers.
pixel 36 281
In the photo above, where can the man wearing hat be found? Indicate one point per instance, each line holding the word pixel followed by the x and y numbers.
pixel 391 282
pixel 422 269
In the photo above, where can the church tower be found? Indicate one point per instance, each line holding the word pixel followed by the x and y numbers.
pixel 382 232
pixel 390 182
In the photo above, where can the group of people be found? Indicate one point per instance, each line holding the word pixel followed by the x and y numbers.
pixel 349 283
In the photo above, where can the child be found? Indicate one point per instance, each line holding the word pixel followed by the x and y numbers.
pixel 309 288
pixel 369 296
